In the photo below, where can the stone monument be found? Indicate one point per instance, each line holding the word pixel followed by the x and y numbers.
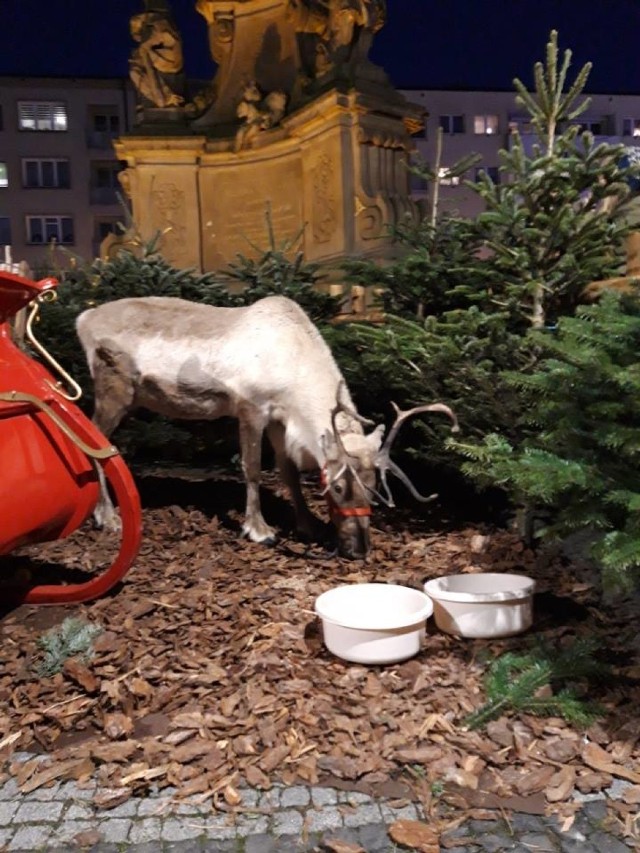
pixel 296 116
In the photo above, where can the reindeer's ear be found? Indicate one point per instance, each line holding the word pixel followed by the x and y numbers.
pixel 374 439
pixel 329 444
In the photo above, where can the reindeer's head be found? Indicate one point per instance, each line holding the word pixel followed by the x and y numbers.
pixel 353 461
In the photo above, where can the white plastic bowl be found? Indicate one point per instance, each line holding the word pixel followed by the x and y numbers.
pixel 482 605
pixel 373 623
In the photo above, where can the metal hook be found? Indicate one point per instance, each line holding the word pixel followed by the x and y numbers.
pixel 51 296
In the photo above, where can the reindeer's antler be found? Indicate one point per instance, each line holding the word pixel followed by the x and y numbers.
pixel 383 461
pixel 348 410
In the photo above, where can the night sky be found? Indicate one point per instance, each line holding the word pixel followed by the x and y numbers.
pixel 465 44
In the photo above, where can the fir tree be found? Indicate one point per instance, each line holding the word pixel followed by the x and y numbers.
pixel 580 458
pixel 546 223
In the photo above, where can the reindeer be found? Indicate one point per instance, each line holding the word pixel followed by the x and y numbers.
pixel 266 365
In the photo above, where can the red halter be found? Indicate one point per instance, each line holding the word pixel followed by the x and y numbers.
pixel 344 511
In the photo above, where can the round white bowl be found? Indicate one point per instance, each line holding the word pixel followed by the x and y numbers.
pixel 373 623
pixel 482 605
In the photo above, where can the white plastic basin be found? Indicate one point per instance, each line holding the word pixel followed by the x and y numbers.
pixel 373 623
pixel 482 605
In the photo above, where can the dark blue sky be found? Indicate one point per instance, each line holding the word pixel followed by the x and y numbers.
pixel 476 44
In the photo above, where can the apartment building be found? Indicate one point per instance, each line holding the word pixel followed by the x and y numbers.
pixel 59 173
pixel 58 169
pixel 482 123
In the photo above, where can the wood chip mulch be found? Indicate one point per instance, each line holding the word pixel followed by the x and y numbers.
pixel 211 671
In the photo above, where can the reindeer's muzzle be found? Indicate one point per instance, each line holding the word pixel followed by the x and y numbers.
pixel 352 527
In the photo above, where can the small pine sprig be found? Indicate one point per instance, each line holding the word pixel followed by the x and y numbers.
pixel 73 638
pixel 524 682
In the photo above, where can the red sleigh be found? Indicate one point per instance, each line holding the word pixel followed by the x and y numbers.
pixel 49 451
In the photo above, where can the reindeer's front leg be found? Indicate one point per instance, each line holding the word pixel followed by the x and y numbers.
pixel 307 525
pixel 254 527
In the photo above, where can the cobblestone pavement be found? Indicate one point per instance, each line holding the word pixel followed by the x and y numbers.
pixel 281 820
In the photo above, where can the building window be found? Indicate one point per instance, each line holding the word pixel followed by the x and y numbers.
pixel 106 123
pixel 631 126
pixel 106 225
pixel 105 175
pixel 485 125
pixel 491 172
pixel 5 231
pixel 447 179
pixel 452 124
pixel 595 126
pixel 521 124
pixel 46 173
pixel 42 115
pixel 4 175
pixel 45 229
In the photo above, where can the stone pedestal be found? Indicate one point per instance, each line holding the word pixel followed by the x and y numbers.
pixel 296 118
pixel 333 170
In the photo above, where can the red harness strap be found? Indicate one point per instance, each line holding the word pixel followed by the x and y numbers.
pixel 344 511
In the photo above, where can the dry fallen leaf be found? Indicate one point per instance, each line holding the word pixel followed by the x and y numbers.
pixel 415 834
pixel 598 758
pixel 560 785
pixel 336 845
pixel 88 838
pixel 81 674
pixel 117 725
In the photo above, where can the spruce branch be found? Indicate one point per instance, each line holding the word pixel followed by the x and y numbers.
pixel 524 683
pixel 73 638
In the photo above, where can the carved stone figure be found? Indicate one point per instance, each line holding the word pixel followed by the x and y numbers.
pixel 335 34
pixel 156 65
pixel 258 113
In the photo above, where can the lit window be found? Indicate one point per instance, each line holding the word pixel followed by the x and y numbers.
pixel 452 124
pixel 42 115
pixel 631 127
pixel 521 124
pixel 47 229
pixel 4 175
pixel 485 125
pixel 46 173
pixel 491 172
pixel 447 179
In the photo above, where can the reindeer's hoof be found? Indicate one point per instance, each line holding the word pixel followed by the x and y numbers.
pixel 109 521
pixel 269 538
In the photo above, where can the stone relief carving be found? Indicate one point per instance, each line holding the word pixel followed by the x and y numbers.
pixel 156 64
pixel 258 113
pixel 168 210
pixel 324 218
pixel 334 35
pixel 370 219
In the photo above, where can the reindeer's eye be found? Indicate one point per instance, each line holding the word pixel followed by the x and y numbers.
pixel 338 489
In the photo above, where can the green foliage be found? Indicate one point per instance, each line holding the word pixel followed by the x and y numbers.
pixel 526 682
pixel 73 638
pixel 456 359
pixel 545 223
pixel 281 270
pixel 436 258
pixel 580 456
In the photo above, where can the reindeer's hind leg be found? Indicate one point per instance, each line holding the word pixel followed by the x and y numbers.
pixel 114 393
pixel 251 429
